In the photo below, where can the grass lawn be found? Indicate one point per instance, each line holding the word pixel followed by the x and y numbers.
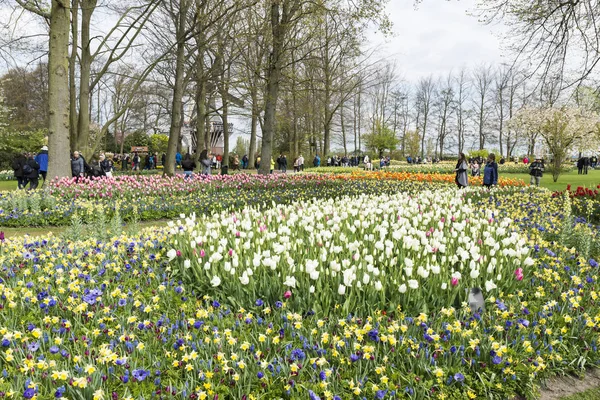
pixel 592 394
pixel 8 185
pixel 591 180
pixel 57 230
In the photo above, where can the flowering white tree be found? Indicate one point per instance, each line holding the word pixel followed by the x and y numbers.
pixel 563 129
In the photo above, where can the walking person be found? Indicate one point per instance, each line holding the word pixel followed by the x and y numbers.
pixel 300 163
pixel 42 160
pixel 188 164
pixel 586 165
pixel 106 165
pixel 490 172
pixel 536 170
pixel 31 171
pixel 17 166
pixel 245 161
pixel 462 178
pixel 580 164
pixel 77 167
pixel 206 162
pixel 284 163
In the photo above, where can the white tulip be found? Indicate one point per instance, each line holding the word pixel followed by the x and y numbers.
pixel 366 279
pixel 341 290
pixel 413 284
pixel 444 285
pixel 490 285
pixel 244 279
pixel 215 281
pixel 187 264
pixel 378 286
pixel 402 288
pixel 171 254
pixel 474 273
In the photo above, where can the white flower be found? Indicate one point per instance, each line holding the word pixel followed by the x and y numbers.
pixel 402 288
pixel 444 285
pixel 528 261
pixel 341 290
pixel 290 281
pixel 378 286
pixel 215 281
pixel 408 271
pixel 171 254
pixel 413 284
pixel 244 279
pixel 435 269
pixel 474 273
pixel 314 275
pixel 186 264
pixel 409 263
pixel 311 289
pixel 366 279
pixel 490 285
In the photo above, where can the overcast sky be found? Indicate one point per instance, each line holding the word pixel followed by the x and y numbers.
pixel 438 37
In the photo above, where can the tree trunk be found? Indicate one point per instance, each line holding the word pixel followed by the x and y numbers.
pixel 72 81
pixel 200 108
pixel 59 164
pixel 225 117
pixel 253 129
pixel 343 130
pixel 273 80
pixel 176 116
pixel 83 125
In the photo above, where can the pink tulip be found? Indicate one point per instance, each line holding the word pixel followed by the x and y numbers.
pixel 519 274
pixel 454 281
pixel 287 294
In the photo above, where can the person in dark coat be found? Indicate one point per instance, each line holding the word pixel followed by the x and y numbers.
pixel 586 165
pixel 490 172
pixel 42 160
pixel 580 164
pixel 77 165
pixel 536 171
pixel 189 165
pixel 31 171
pixel 17 166
pixel 284 163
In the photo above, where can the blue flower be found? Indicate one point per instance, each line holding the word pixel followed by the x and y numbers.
pixel 313 396
pixel 59 392
pixel 54 350
pixel 140 374
pixel 259 302
pixel 33 346
pixel 496 360
pixel 122 302
pixel 380 394
pixel 29 393
pixel 322 375
pixel 458 377
pixel 216 304
pixel 593 263
pixel 260 375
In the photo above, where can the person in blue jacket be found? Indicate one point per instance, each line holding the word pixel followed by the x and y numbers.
pixel 42 160
pixel 490 172
pixel 178 159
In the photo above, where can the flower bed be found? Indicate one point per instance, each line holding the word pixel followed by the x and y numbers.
pixel 94 320
pixel 367 252
pixel 155 197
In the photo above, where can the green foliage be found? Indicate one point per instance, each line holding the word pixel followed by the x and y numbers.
pixel 137 138
pixel 14 142
pixel 479 153
pixel 381 139
pixel 158 143
pixel 412 143
pixel 241 146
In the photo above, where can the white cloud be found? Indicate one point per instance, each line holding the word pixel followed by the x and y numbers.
pixel 438 37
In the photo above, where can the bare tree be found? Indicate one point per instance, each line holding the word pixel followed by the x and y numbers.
pixel 482 83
